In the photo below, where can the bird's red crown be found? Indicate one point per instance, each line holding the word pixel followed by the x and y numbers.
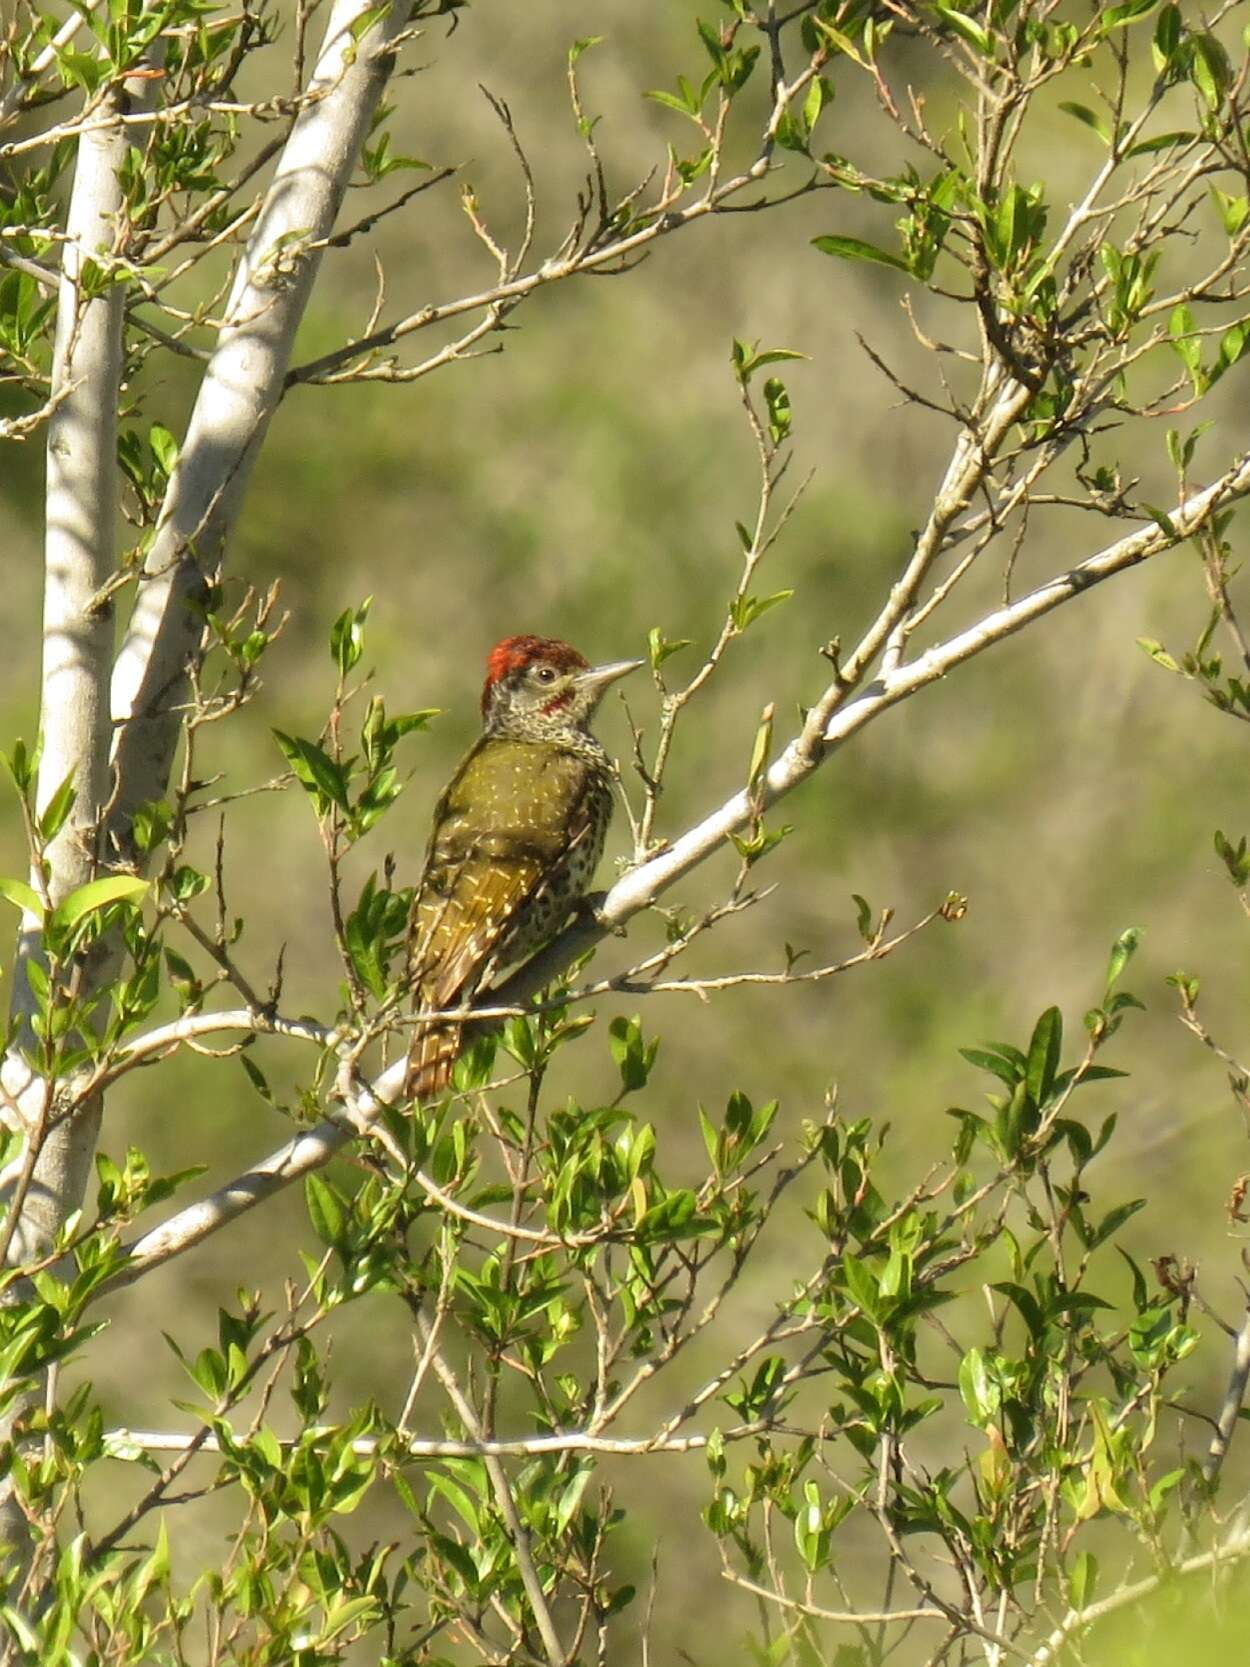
pixel 514 653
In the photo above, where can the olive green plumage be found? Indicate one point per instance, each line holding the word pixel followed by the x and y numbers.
pixel 517 835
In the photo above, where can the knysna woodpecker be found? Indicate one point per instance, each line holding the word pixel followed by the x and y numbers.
pixel 518 833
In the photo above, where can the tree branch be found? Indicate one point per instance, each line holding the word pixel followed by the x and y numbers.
pixel 11 102
pixel 638 889
pixel 121 1443
pixel 78 556
pixel 1080 1620
pixel 502 1489
pixel 240 392
pixel 1230 1412
pixel 48 1185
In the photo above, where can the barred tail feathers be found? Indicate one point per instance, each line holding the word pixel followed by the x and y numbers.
pixel 460 920
pixel 431 1057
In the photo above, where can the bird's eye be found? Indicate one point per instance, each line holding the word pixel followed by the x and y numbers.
pixel 546 674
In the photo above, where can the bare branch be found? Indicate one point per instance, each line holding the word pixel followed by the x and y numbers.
pixel 122 1443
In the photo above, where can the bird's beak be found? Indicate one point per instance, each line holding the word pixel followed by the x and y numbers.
pixel 597 678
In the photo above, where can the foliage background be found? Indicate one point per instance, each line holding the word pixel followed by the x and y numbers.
pixel 584 483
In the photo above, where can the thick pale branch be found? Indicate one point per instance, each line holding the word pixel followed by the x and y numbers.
pixel 1231 1411
pixel 241 390
pixel 310 1150
pixel 829 724
pixel 193 1027
pixel 81 497
pixel 826 728
pixel 46 1183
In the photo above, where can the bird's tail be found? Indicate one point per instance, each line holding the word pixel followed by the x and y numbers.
pixel 434 1050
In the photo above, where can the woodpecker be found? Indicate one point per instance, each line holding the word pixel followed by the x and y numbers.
pixel 517 836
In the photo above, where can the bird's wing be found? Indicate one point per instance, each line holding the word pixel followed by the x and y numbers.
pixel 461 915
pixel 478 876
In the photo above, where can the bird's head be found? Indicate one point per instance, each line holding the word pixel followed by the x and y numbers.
pixel 539 688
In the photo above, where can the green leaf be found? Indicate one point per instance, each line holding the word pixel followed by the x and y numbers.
pixel 347 636
pixel 1090 118
pixel 633 1053
pixel 54 814
pixel 819 95
pixel 674 1217
pixel 854 248
pixel 1167 38
pixel 364 21
pixel 257 1078
pixel 760 841
pixel 80 69
pixel 1232 210
pixel 150 824
pixel 659 647
pixel 22 896
pixel 861 1285
pixel 711 1139
pixel 673 101
pixel 1026 1304
pixel 1158 653
pixel 326 1211
pixel 1122 952
pixel 22 765
pixel 315 770
pixel 572 1496
pixel 777 398
pixel 164 448
pixel 712 41
pixel 745 610
pixel 981 1393
pixel 1043 1056
pixel 1083 1581
pixel 966 27
pixel 1115 17
pixel 1233 344
pixel 1003 1069
pixel 1112 1222
pixel 187 882
pixel 761 750
pixel 1211 70
pixel 746 360
pixel 98 894
pixel 1186 348
pixel 809 1541
pixel 456 1496
pixel 1160 141
pixel 347 1612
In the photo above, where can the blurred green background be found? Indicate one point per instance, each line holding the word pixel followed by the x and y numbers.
pixel 584 482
